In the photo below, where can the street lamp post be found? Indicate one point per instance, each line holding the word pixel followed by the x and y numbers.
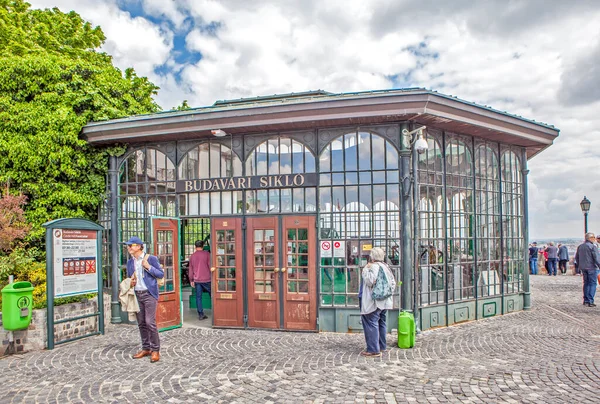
pixel 413 143
pixel 585 208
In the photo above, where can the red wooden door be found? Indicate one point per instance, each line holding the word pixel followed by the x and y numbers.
pixel 227 290
pixel 263 272
pixel 165 240
pixel 299 274
pixel 282 280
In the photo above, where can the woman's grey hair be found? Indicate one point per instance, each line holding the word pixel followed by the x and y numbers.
pixel 377 254
pixel 589 236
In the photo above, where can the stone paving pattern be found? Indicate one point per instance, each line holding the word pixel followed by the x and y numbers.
pixel 550 354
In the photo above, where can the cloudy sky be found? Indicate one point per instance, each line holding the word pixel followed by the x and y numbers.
pixel 539 59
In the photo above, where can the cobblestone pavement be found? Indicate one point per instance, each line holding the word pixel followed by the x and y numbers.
pixel 550 354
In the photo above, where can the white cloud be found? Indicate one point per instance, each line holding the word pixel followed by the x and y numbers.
pixel 537 59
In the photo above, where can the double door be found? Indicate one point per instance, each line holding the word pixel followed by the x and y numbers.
pixel 279 284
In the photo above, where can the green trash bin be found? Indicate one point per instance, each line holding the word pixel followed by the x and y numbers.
pixel 17 305
pixel 406 330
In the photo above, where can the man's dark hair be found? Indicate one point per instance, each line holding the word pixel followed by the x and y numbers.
pixel 199 244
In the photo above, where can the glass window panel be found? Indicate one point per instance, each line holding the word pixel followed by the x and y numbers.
pixel 302 287
pixel 286 200
pixel 297 157
pixel 292 287
pixel 273 156
pixel 262 201
pixel 378 177
pixel 325 160
pixel 379 153
pixel 298 199
pixel 231 286
pixel 338 198
pixel 393 176
pixel 310 199
pixel 364 177
pixel 285 155
pixel 350 153
pixel 309 161
pixel 337 179
pixel 364 151
pixel 221 286
pixel 391 156
pixel 258 274
pixel 325 199
pixel 274 204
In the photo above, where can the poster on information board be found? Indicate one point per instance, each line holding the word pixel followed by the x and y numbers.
pixel 75 262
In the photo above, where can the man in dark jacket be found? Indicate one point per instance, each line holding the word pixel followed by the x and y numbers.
pixel 588 262
pixel 563 258
pixel 533 258
pixel 144 269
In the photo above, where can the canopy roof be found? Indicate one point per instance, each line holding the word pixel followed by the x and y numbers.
pixel 322 109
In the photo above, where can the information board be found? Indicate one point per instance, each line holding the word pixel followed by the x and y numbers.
pixel 74 262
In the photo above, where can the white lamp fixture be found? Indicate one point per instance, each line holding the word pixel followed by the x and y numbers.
pixel 218 132
pixel 419 143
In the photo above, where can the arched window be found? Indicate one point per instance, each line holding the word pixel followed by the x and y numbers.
pixel 146 186
pixel 280 156
pixel 512 221
pixel 358 204
pixel 487 200
pixel 460 218
pixel 277 156
pixel 431 221
pixel 210 160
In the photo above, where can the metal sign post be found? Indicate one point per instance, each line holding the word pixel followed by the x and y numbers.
pixel 73 267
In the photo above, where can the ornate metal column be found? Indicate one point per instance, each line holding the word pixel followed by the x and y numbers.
pixel 113 178
pixel 405 223
pixel 525 171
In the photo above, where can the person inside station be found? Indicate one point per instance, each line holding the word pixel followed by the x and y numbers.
pixel 199 273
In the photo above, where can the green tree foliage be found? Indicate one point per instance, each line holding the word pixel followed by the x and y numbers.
pixel 53 81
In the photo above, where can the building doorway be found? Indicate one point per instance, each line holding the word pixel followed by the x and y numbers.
pixel 282 280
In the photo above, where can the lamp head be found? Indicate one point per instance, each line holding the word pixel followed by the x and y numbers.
pixel 218 132
pixel 421 145
pixel 585 205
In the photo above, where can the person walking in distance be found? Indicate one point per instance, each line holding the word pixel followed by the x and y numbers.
pixel 552 251
pixel 144 270
pixel 563 258
pixel 588 262
pixel 533 258
pixel 200 275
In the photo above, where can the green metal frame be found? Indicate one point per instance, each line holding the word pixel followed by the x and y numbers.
pixel 71 224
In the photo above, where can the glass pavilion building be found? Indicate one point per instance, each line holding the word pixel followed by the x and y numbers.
pixel 299 187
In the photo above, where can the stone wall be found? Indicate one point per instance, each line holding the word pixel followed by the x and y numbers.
pixel 35 337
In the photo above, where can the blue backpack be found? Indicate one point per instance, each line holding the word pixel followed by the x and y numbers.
pixel 383 287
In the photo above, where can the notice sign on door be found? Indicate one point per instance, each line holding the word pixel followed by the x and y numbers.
pixel 339 248
pixel 326 251
pixel 74 262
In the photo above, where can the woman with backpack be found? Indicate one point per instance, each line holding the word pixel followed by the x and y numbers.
pixel 378 286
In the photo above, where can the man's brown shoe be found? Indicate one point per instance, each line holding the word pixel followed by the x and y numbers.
pixel 155 357
pixel 141 354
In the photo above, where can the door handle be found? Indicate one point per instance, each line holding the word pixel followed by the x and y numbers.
pixel 276 269
pixel 212 269
pixel 283 269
